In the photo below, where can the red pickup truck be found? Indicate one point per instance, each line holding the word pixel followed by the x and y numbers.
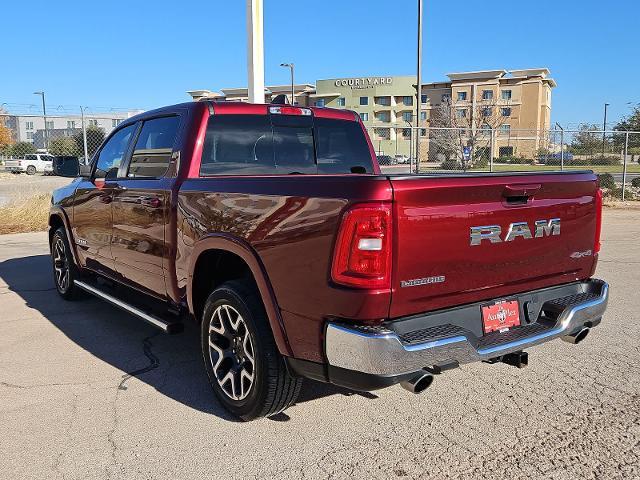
pixel 274 229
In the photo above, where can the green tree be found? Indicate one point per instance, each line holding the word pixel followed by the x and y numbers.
pixel 586 141
pixel 20 149
pixel 630 123
pixel 64 146
pixel 95 136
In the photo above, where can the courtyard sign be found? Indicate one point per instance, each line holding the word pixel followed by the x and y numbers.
pixel 363 82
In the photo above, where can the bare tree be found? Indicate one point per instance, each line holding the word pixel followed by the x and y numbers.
pixel 457 127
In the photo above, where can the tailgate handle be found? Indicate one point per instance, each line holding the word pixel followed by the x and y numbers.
pixel 520 193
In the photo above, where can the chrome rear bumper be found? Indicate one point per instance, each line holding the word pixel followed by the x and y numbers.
pixel 381 351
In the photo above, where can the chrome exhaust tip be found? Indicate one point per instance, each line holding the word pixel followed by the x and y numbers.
pixel 577 337
pixel 419 383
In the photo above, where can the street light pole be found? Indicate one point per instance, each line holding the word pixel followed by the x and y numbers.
pixel 419 80
pixel 604 128
pixel 44 116
pixel 84 137
pixel 290 65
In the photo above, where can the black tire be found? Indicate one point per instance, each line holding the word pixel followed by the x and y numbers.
pixel 272 389
pixel 64 270
pixel 31 170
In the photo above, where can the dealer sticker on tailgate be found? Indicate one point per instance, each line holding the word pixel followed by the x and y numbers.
pixel 501 316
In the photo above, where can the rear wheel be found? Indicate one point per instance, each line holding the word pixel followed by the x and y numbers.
pixel 64 270
pixel 31 170
pixel 245 369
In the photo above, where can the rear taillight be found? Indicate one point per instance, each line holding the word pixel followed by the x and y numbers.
pixel 362 255
pixel 597 245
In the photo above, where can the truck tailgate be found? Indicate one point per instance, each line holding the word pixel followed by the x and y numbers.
pixel 469 238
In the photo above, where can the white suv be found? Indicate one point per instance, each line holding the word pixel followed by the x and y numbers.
pixel 30 164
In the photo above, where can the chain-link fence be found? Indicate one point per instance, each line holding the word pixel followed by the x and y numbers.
pixel 613 155
pixel 78 135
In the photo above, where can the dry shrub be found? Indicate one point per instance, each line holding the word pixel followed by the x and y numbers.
pixel 30 214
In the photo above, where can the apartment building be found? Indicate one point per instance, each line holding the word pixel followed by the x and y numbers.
pixel 31 128
pixel 516 104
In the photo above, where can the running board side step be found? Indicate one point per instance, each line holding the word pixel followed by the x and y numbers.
pixel 164 325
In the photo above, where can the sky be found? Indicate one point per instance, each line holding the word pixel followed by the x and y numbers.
pixel 145 54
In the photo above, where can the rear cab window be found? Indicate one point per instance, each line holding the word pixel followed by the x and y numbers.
pixel 283 144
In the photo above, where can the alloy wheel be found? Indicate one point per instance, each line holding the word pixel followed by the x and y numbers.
pixel 61 265
pixel 231 352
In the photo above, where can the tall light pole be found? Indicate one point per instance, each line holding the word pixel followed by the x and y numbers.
pixel 290 66
pixel 44 116
pixel 84 137
pixel 419 86
pixel 255 51
pixel 604 128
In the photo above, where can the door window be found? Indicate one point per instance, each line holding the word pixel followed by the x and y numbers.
pixel 111 155
pixel 154 147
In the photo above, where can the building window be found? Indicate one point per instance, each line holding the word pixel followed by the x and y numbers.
pixel 423 115
pixel 407 116
pixel 446 98
pixel 423 132
pixel 487 111
pixel 506 94
pixel 364 116
pixel 320 102
pixel 71 124
pixel 49 125
pixel 29 135
pixel 407 101
pixel 505 129
pixel 364 101
pixel 93 123
pixel 383 133
pixel 406 133
pixel 383 117
pixel 342 102
pixel 384 101
pixel 462 96
pixel 423 98
pixel 115 122
pixel 461 113
pixel 487 94
pixel 29 125
pixel 505 112
pixel 485 127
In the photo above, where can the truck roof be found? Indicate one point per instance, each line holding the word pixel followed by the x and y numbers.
pixel 244 108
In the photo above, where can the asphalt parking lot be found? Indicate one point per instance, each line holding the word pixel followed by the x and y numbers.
pixel 87 391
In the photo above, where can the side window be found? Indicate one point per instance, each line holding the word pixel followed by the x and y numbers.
pixel 30 157
pixel 152 153
pixel 111 155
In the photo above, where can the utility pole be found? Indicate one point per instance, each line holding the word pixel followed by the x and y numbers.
pixel 290 65
pixel 84 137
pixel 44 116
pixel 604 129
pixel 419 85
pixel 561 145
pixel 255 51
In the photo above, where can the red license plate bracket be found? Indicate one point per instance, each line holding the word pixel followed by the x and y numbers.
pixel 500 316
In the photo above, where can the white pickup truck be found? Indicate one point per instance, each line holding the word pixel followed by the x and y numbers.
pixel 31 164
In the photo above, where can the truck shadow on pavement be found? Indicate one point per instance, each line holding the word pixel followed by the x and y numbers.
pixel 171 364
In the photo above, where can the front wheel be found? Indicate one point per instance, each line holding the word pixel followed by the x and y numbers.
pixel 64 270
pixel 245 369
pixel 31 170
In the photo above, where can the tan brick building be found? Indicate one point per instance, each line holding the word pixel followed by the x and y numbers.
pixel 516 104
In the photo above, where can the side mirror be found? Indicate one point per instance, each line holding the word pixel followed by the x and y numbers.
pixel 66 166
